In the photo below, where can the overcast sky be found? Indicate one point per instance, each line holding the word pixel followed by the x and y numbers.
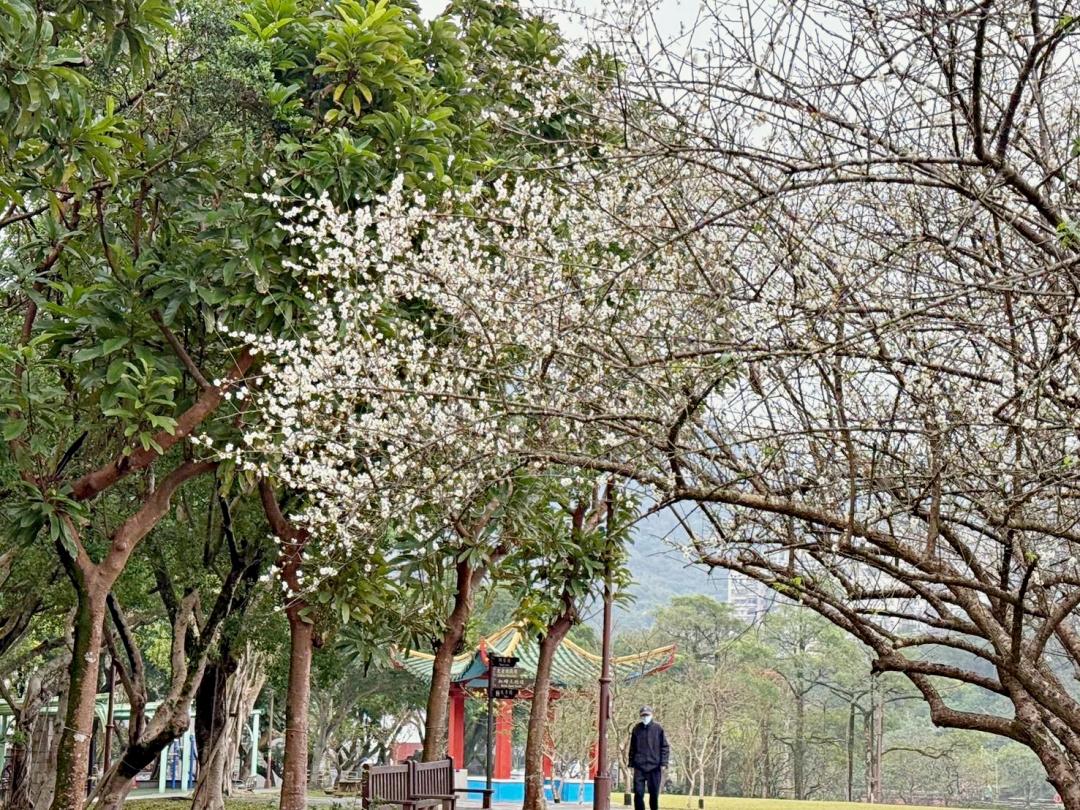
pixel 671 14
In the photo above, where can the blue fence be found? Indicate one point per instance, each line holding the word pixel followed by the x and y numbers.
pixel 512 791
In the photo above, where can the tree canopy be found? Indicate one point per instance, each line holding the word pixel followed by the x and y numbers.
pixel 328 325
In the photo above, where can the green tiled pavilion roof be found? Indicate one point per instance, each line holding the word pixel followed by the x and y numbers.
pixel 574 666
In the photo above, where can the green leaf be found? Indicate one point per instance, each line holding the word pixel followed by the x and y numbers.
pixel 115 372
pixel 112 344
pixel 89 353
pixel 13 429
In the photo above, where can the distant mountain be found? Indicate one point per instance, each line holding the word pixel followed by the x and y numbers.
pixel 661 571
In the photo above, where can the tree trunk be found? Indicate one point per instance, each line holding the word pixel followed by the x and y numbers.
pixel 211 717
pixel 435 721
pixel 270 742
pixel 23 763
pixel 766 758
pixel 173 715
pixel 318 753
pixel 73 755
pixel 19 787
pixel 873 723
pixel 874 726
pixel 438 702
pixel 538 715
pixel 239 683
pixel 171 719
pixel 44 750
pixel 718 767
pixel 244 690
pixel 92 582
pixel 868 747
pixel 301 645
pixel 214 772
pixel 851 752
pixel 798 752
pixel 1064 779
pixel 294 767
pixel 29 723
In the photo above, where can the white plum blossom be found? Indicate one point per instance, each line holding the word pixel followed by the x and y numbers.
pixel 451 340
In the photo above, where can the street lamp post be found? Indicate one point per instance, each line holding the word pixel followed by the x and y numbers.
pixel 490 740
pixel 602 780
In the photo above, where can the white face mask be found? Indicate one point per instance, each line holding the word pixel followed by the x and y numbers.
pixel 646 719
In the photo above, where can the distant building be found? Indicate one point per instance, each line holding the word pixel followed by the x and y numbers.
pixel 749 599
pixel 406 742
pixel 404 751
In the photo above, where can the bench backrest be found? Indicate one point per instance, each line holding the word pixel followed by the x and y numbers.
pixel 433 778
pixel 386 782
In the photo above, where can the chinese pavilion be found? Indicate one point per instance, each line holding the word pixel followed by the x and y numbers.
pixel 573 669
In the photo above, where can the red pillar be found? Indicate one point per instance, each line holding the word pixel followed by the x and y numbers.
pixel 456 747
pixel 504 726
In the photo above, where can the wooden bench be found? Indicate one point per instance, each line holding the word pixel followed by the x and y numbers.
pixel 434 781
pixel 413 786
pixel 384 785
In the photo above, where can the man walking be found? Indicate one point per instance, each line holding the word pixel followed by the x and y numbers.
pixel 648 758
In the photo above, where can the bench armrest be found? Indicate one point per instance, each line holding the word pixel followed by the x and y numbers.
pixel 474 790
pixel 432 796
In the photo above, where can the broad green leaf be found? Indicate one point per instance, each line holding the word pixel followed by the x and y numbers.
pixel 13 429
pixel 112 344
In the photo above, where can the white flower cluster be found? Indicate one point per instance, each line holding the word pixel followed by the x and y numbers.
pixel 451 340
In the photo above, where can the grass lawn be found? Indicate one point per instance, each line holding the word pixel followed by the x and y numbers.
pixel 674 802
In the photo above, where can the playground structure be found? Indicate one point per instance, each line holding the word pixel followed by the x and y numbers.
pixel 175 769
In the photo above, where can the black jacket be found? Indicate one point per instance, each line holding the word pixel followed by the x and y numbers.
pixel 648 747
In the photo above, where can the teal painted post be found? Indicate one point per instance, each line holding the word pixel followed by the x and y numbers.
pixel 255 744
pixel 3 741
pixel 185 759
pixel 163 766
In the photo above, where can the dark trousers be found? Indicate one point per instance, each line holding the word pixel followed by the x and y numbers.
pixel 647 780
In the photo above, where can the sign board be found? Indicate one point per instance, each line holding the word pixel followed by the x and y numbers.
pixel 507 682
pixel 510 679
pixel 506 661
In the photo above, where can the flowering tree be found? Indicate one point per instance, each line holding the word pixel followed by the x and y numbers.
pixel 423 110
pixel 446 336
pixel 137 139
pixel 895 188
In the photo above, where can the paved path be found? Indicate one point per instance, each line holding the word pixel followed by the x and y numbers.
pixel 261 796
